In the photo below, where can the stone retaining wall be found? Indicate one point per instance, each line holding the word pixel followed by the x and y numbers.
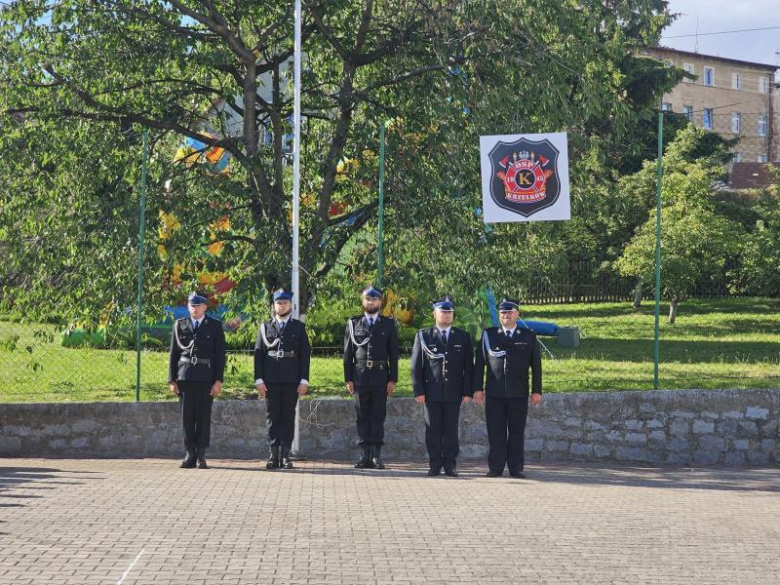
pixel 677 428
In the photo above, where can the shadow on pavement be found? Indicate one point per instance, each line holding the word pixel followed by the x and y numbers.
pixel 25 479
pixel 745 480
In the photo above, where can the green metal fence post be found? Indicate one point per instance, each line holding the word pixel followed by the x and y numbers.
pixel 657 344
pixel 141 230
pixel 381 222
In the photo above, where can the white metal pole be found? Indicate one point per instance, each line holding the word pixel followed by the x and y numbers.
pixel 296 157
pixel 296 188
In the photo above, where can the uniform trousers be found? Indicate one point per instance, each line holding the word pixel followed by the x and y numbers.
pixel 280 402
pixel 505 419
pixel 371 408
pixel 441 433
pixel 196 400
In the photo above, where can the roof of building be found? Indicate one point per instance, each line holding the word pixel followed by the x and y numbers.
pixel 765 66
pixel 751 175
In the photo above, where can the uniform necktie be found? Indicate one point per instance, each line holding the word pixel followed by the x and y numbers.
pixel 371 323
pixel 444 335
pixel 197 324
pixel 281 326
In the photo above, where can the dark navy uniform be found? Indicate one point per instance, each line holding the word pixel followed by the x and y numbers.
pixel 370 362
pixel 282 358
pixel 197 360
pixel 507 361
pixel 442 372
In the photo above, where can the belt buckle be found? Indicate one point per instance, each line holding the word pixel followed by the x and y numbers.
pixel 278 355
pixel 194 360
pixel 370 364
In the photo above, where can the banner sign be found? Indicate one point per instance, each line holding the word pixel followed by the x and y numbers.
pixel 525 177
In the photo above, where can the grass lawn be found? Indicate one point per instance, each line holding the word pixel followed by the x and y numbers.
pixel 716 343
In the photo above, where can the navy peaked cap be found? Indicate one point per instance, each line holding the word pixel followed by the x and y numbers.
pixel 197 299
pixel 444 304
pixel 508 304
pixel 372 291
pixel 282 295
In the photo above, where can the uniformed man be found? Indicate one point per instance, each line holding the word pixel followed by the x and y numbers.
pixel 282 357
pixel 442 371
pixel 508 352
pixel 371 373
pixel 195 370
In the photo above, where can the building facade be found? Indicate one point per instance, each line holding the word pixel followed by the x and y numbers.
pixel 737 99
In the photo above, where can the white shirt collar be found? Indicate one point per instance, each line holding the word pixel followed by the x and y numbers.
pixel 445 329
pixel 280 321
pixel 197 322
pixel 509 332
pixel 375 316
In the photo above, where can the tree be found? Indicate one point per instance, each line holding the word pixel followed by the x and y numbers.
pixel 696 240
pixel 447 71
pixel 757 273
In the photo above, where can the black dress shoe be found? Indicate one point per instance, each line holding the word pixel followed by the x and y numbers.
pixel 286 462
pixel 434 472
pixel 493 474
pixel 189 460
pixel 273 459
pixel 451 472
pixel 517 474
pixel 376 457
pixel 365 459
pixel 201 464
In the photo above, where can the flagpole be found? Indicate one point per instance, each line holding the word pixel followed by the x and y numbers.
pixel 295 447
pixel 296 157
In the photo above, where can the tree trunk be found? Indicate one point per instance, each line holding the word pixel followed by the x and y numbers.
pixel 672 311
pixel 638 295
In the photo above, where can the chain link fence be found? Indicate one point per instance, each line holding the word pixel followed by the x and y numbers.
pixel 719 340
pixel 723 342
pixel 754 133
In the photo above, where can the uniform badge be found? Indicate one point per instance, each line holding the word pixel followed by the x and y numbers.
pixel 524 175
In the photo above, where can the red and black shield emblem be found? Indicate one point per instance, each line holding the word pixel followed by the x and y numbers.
pixel 524 176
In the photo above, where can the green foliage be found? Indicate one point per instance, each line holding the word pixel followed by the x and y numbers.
pixel 696 240
pixel 758 272
pixel 79 81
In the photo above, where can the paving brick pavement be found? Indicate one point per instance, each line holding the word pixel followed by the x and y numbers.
pixel 132 522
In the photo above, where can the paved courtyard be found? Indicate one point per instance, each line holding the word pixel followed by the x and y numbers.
pixel 132 522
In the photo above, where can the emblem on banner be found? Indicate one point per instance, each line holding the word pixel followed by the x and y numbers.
pixel 525 175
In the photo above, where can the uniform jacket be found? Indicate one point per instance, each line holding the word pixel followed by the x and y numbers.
pixel 381 351
pixel 284 370
pixel 204 351
pixel 507 377
pixel 449 379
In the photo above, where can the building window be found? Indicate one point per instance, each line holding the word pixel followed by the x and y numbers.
pixel 666 106
pixel 737 157
pixel 762 158
pixel 688 111
pixel 763 84
pixel 707 118
pixel 736 80
pixel 736 122
pixel 709 76
pixel 689 68
pixel 762 125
